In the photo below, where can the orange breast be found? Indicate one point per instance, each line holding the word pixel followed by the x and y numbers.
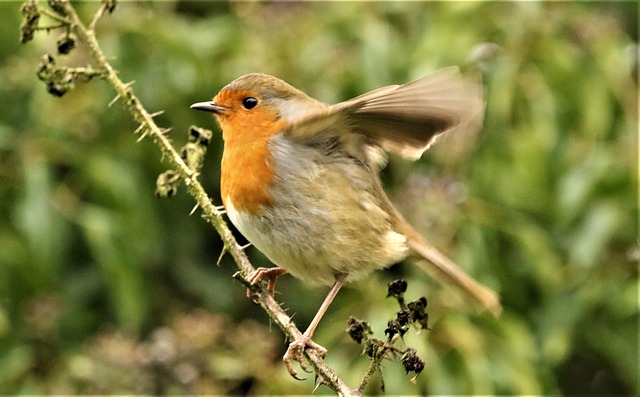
pixel 247 166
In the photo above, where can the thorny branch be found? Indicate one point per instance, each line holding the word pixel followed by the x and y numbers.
pixel 65 14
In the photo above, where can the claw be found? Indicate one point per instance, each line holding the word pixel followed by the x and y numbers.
pixel 295 352
pixel 271 273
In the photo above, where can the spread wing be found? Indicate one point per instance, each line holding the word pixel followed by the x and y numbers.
pixel 407 118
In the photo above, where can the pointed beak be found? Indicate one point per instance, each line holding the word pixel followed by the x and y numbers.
pixel 209 107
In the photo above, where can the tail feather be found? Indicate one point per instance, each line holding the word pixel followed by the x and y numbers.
pixel 446 267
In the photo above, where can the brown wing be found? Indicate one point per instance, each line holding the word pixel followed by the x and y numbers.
pixel 406 119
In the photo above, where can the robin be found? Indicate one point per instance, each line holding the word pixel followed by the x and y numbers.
pixel 299 178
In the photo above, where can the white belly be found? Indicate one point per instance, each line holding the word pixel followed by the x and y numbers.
pixel 313 252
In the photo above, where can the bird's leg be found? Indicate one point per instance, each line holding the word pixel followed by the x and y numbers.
pixel 296 348
pixel 271 273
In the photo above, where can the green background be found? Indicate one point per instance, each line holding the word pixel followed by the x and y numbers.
pixel 106 289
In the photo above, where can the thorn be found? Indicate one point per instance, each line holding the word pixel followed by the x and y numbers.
pixel 224 251
pixel 114 100
pixel 165 131
pixel 129 84
pixel 318 383
pixel 140 127
pixel 244 247
pixel 219 210
pixel 194 209
pixel 158 113
pixel 142 136
pixel 240 278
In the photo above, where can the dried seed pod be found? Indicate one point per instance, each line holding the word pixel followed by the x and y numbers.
pixel 66 42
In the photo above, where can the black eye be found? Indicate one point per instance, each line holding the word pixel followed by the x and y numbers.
pixel 249 102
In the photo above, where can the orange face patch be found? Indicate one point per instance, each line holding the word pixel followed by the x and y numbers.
pixel 246 170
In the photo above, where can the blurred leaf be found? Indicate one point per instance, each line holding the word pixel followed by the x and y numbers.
pixel 116 257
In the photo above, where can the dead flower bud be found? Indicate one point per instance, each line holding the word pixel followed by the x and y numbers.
pixel 30 18
pixel 200 136
pixel 411 361
pixel 167 184
pixel 66 42
pixel 418 310
pixel 358 329
pixel 397 327
pixel 57 6
pixel 110 5
pixel 397 288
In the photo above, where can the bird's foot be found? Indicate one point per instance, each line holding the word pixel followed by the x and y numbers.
pixel 270 273
pixel 295 352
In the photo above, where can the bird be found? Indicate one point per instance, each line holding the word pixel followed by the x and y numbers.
pixel 300 179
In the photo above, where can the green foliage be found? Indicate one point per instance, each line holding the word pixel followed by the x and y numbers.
pixel 541 204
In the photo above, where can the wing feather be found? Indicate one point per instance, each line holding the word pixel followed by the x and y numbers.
pixel 408 118
pixel 405 119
